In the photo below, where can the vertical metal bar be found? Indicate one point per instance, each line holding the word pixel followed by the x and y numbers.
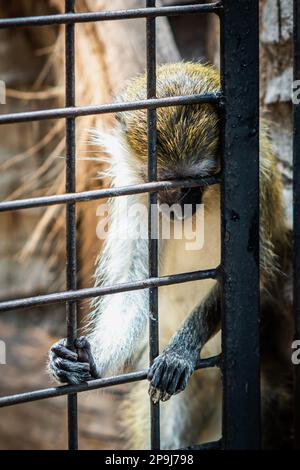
pixel 240 224
pixel 71 307
pixel 296 192
pixel 153 215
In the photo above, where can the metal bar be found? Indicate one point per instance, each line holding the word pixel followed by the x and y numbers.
pixel 74 112
pixel 72 389
pixel 80 294
pixel 71 274
pixel 240 224
pixel 86 196
pixel 152 216
pixel 92 385
pixel 47 20
pixel 208 362
pixel 296 216
pixel 240 213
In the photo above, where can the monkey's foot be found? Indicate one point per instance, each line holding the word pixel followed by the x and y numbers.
pixel 168 375
pixel 72 367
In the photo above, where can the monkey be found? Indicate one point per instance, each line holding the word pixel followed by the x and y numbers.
pixel 188 145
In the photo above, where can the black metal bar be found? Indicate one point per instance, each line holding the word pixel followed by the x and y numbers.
pixel 80 294
pixel 92 385
pixel 208 362
pixel 71 274
pixel 152 216
pixel 47 20
pixel 240 224
pixel 240 212
pixel 74 112
pixel 71 389
pixel 86 196
pixel 296 216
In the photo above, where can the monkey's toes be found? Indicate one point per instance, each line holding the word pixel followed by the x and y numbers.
pixel 60 349
pixel 83 349
pixel 168 375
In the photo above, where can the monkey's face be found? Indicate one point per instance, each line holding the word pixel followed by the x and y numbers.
pixel 187 147
pixel 187 200
pixel 180 203
pixel 187 136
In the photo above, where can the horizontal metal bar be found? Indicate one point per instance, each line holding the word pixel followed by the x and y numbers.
pixel 69 389
pixel 71 18
pixel 73 111
pixel 214 445
pixel 79 294
pixel 86 196
pixel 208 362
pixel 92 385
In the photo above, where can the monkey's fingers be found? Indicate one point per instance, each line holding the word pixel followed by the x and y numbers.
pixel 155 370
pixel 168 375
pixel 61 350
pixel 167 382
pixel 156 394
pixel 70 366
pixel 66 371
pixel 84 351
pixel 154 374
pixel 82 343
pixel 180 378
pixel 183 380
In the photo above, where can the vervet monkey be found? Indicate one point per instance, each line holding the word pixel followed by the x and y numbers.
pixel 188 145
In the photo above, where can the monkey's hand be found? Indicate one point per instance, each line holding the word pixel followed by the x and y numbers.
pixel 72 367
pixel 169 374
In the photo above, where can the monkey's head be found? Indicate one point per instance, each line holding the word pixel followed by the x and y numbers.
pixel 187 136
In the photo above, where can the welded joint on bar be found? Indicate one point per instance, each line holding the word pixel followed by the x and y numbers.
pixel 221 101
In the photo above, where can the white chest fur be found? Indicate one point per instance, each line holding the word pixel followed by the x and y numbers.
pixel 177 301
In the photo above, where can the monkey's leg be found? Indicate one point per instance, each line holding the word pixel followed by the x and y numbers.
pixel 117 322
pixel 171 370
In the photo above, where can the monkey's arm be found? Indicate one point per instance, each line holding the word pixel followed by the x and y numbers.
pixel 117 321
pixel 171 370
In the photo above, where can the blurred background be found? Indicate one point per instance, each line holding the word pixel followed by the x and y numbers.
pixel 32 242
